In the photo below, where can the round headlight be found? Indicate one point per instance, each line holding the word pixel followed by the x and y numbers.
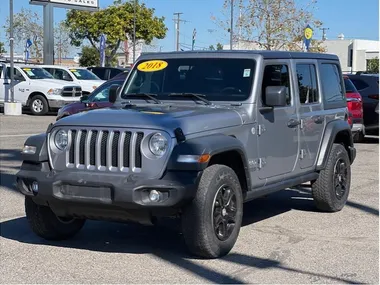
pixel 61 139
pixel 158 144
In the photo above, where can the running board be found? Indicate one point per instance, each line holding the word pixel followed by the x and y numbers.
pixel 271 188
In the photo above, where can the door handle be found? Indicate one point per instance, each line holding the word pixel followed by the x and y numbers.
pixel 318 119
pixel 293 123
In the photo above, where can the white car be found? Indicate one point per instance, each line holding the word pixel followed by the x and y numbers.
pixel 78 75
pixel 36 88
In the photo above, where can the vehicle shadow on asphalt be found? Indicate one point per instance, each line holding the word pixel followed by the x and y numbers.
pixel 168 243
pixel 370 140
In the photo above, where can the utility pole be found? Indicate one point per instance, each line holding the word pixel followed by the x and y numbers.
pixel 134 30
pixel 11 43
pixel 232 24
pixel 324 33
pixel 177 21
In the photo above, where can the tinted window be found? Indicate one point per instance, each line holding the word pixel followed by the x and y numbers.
pixel 359 84
pixel 36 73
pixel 15 72
pixel 307 83
pixel 84 74
pixel 276 75
pixel 101 94
pixel 350 88
pixel 114 72
pixel 332 85
pixel 219 79
pixel 100 72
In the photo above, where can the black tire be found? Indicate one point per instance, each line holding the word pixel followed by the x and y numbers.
pixel 327 190
pixel 38 105
pixel 198 217
pixel 358 137
pixel 45 223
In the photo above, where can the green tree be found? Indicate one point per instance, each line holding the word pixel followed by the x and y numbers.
pixel 373 65
pixel 2 49
pixel 271 24
pixel 219 46
pixel 116 22
pixel 90 57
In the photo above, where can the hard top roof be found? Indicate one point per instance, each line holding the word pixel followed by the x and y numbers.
pixel 267 54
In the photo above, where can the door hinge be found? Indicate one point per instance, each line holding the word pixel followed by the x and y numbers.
pixel 260 130
pixel 302 154
pixel 261 162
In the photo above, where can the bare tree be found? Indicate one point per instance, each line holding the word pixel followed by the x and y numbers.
pixel 271 24
pixel 62 45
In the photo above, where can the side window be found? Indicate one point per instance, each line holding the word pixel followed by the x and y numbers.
pixel 276 75
pixel 359 84
pixel 102 96
pixel 307 83
pixel 62 74
pixel 17 74
pixel 114 72
pixel 332 83
pixel 100 72
pixel 1 72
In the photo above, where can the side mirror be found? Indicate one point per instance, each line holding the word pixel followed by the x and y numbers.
pixel 84 98
pixel 275 96
pixel 112 95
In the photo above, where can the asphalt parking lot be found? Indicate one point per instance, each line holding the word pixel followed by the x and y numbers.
pixel 283 238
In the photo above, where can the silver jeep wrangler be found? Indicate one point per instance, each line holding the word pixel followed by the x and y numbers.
pixel 194 135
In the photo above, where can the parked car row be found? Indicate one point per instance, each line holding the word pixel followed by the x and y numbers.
pixel 368 87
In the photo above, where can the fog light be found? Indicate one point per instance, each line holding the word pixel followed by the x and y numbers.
pixel 35 186
pixel 154 196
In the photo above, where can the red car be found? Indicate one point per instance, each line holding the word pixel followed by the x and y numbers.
pixel 97 99
pixel 355 107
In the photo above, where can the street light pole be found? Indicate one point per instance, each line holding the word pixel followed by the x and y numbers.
pixel 11 42
pixel 232 24
pixel 134 31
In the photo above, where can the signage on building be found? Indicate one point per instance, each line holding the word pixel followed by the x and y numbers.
pixel 69 4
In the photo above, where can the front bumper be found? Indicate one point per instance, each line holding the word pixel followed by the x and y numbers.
pixel 59 102
pixel 106 196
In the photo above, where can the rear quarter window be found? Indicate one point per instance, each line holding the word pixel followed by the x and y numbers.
pixel 359 84
pixel 332 85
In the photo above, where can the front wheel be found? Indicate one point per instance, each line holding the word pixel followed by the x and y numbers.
pixel 39 105
pixel 330 191
pixel 47 225
pixel 211 223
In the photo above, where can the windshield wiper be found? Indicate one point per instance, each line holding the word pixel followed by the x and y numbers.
pixel 196 95
pixel 149 95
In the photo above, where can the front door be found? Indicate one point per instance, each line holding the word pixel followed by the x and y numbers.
pixel 278 132
pixel 310 110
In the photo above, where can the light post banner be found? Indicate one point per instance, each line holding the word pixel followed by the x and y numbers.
pixel 28 44
pixel 102 49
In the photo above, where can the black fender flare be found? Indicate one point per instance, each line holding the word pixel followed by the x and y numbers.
pixel 40 142
pixel 330 134
pixel 212 145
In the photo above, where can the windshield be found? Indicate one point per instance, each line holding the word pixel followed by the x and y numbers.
pixel 84 74
pixel 218 79
pixel 37 73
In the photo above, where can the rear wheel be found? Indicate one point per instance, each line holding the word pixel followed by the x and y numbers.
pixel 47 225
pixel 39 105
pixel 330 191
pixel 211 223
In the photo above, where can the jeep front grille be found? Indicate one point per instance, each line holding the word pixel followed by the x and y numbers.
pixel 104 150
pixel 69 91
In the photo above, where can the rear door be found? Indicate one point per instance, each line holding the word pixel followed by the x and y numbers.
pixel 311 111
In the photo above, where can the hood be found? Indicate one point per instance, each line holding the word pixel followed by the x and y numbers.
pixel 191 119
pixel 87 85
pixel 56 83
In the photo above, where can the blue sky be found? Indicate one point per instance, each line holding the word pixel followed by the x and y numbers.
pixel 353 18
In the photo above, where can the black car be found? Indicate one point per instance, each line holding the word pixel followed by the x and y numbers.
pixel 106 73
pixel 368 87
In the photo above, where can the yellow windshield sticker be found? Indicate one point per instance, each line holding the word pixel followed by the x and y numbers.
pixel 73 70
pixel 154 113
pixel 26 69
pixel 152 65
